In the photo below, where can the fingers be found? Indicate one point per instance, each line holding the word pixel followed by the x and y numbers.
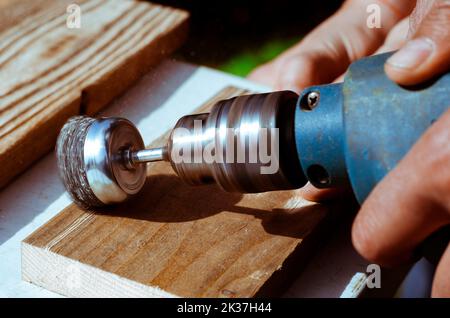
pixel 396 37
pixel 311 193
pixel 264 74
pixel 410 203
pixel 291 72
pixel 299 71
pixel 427 54
pixel 326 52
pixel 441 282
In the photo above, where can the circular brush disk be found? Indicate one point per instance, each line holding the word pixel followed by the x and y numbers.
pixel 70 159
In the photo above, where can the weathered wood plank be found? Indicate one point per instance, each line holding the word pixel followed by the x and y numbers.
pixel 175 240
pixel 49 72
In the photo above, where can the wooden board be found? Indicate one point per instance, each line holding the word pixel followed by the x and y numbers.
pixel 176 240
pixel 50 72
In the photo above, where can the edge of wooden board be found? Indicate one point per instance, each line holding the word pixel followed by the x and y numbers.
pixel 75 279
pixel 72 278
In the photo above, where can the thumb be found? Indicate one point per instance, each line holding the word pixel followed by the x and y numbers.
pixel 427 54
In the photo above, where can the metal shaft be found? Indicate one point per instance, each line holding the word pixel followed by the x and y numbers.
pixel 149 155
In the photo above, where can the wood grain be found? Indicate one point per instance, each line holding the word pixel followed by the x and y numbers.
pixel 12 12
pixel 49 72
pixel 176 240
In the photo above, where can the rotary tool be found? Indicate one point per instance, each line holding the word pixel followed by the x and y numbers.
pixel 336 135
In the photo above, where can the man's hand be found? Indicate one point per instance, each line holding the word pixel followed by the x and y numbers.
pixel 413 200
pixel 409 204
pixel 327 51
pixel 424 55
pixel 427 53
pixel 325 54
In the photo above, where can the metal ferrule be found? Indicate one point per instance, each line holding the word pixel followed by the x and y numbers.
pixel 320 136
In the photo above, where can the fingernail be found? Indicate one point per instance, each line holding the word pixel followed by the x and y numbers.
pixel 414 53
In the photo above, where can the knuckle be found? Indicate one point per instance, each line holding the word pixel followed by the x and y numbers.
pixel 436 24
pixel 443 5
pixel 296 62
pixel 263 74
pixel 296 71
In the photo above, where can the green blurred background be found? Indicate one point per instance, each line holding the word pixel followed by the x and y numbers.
pixel 236 36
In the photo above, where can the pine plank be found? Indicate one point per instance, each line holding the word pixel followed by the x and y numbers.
pixel 12 12
pixel 49 72
pixel 176 240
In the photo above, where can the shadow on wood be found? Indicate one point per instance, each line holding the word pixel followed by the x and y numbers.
pixel 166 199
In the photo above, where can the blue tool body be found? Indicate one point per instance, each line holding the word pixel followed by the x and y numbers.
pixel 360 129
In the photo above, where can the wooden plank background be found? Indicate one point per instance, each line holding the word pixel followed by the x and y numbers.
pixel 176 240
pixel 49 72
